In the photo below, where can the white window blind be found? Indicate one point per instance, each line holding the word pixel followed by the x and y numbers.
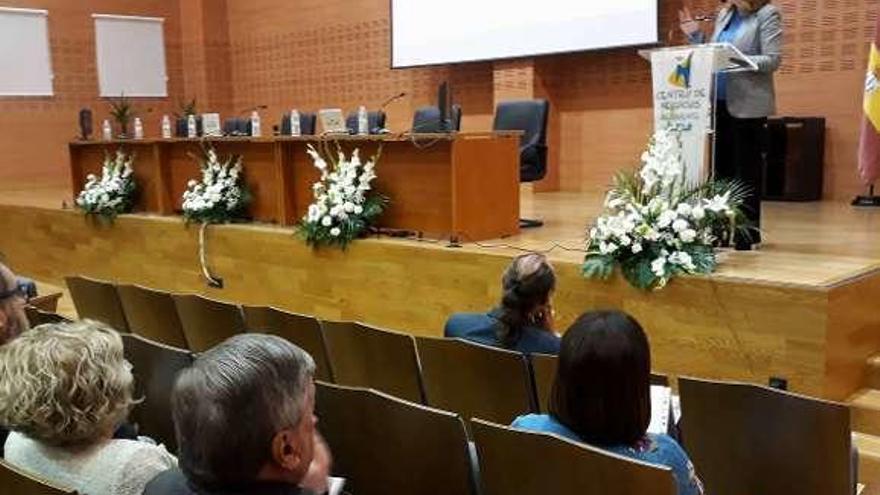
pixel 130 55
pixel 25 60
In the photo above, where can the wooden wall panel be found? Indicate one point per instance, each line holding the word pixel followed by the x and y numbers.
pixel 235 54
pixel 312 53
pixel 33 144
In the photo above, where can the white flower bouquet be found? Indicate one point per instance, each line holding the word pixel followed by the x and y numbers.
pixel 655 226
pixel 221 195
pixel 345 205
pixel 112 193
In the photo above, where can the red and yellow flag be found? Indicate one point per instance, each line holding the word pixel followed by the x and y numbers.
pixel 869 146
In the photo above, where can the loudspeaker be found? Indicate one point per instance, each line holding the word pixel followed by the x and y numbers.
pixel 85 124
pixel 795 152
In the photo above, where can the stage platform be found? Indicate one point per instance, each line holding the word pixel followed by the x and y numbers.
pixel 803 307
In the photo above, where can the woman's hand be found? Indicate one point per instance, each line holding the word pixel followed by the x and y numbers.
pixel 686 21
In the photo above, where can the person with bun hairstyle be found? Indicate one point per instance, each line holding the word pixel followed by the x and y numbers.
pixel 523 321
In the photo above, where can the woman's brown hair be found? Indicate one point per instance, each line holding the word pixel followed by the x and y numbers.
pixel 602 390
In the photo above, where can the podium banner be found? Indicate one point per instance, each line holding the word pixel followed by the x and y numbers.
pixel 683 81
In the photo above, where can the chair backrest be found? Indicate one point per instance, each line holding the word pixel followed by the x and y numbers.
pixel 427 120
pixel 526 463
pixel 362 356
pixel 155 367
pixel 375 121
pixel 97 300
pixel 473 380
pixel 46 302
pixel 152 314
pixel 15 481
pixel 544 374
pixel 383 445
pixel 750 439
pixel 207 322
pixel 529 116
pixel 37 317
pixel 306 124
pixel 304 331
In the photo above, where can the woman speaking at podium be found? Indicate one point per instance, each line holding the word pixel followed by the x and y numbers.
pixel 745 99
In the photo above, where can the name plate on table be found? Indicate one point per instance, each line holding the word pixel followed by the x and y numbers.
pixel 211 125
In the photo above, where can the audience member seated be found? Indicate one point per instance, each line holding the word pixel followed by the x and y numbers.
pixel 245 424
pixel 524 320
pixel 13 320
pixel 64 389
pixel 602 396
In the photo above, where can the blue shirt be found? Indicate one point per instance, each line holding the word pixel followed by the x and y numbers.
pixel 481 328
pixel 727 35
pixel 657 449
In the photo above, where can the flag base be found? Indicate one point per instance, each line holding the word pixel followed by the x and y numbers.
pixel 866 201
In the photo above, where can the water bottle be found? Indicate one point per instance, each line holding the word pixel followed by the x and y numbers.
pixel 138 128
pixel 294 123
pixel 166 127
pixel 255 124
pixel 107 130
pixel 363 121
pixel 191 129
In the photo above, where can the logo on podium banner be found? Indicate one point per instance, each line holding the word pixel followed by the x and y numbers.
pixel 683 102
pixel 681 75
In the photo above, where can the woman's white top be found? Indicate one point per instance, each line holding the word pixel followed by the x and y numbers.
pixel 111 467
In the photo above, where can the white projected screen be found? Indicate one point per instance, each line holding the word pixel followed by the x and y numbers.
pixel 426 33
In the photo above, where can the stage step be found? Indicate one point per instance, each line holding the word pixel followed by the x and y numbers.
pixel 869 461
pixel 865 409
pixel 872 372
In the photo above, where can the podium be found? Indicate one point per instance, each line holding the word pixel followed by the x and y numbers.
pixel 684 82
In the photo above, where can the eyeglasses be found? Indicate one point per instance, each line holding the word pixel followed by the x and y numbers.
pixel 18 291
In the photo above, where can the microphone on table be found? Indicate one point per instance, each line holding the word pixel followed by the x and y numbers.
pixel 382 107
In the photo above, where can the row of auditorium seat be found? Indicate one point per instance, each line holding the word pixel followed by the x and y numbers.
pixel 742 438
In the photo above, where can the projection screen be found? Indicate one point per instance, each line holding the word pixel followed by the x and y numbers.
pixel 449 31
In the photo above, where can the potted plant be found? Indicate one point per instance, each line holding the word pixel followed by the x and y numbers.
pixel 122 112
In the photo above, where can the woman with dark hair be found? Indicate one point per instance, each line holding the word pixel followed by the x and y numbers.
pixel 602 395
pixel 524 320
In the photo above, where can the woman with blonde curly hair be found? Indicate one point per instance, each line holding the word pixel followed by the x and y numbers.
pixel 64 389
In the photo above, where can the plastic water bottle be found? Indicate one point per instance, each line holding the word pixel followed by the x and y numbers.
pixel 138 128
pixel 191 129
pixel 107 130
pixel 294 123
pixel 166 127
pixel 363 121
pixel 255 124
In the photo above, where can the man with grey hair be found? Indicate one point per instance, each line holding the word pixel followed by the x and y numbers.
pixel 245 424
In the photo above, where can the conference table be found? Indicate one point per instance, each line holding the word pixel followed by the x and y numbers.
pixel 460 186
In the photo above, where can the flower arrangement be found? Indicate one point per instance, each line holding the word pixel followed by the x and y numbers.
pixel 344 205
pixel 656 226
pixel 221 195
pixel 114 192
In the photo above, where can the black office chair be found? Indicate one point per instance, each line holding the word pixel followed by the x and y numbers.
pixel 529 116
pixel 427 120
pixel 376 122
pixel 306 124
